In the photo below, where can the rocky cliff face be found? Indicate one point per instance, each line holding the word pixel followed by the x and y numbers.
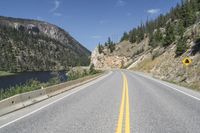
pixel 30 45
pixel 106 60
pixel 161 62
pixel 124 54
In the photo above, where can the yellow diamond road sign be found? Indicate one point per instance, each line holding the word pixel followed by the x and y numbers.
pixel 187 61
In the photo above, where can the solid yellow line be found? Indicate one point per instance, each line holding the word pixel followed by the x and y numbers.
pixel 121 114
pixel 127 122
pixel 124 101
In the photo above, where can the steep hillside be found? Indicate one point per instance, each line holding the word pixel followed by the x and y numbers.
pixel 159 46
pixel 30 45
pixel 124 54
pixel 161 62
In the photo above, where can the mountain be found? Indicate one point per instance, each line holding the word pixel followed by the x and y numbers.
pixel 31 45
pixel 159 46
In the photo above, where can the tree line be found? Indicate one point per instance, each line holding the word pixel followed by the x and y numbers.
pixel 168 28
pixel 22 51
pixel 109 44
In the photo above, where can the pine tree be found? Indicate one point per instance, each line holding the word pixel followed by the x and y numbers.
pixel 188 13
pixel 158 35
pixel 181 46
pixel 109 41
pixel 185 14
pixel 106 44
pixel 125 37
pixel 100 48
pixel 198 5
pixel 170 36
pixel 180 29
pixel 156 38
pixel 152 42
pixel 111 45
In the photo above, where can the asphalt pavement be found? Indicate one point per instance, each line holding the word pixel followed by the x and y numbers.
pixel 121 102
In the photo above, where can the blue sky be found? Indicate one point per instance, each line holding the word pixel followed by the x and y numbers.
pixel 89 21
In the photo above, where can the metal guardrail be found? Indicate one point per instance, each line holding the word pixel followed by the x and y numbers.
pixel 25 99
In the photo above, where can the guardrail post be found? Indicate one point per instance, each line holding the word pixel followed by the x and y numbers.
pixel 1 94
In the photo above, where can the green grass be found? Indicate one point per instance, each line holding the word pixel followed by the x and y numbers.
pixel 4 73
pixel 72 75
pixel 32 85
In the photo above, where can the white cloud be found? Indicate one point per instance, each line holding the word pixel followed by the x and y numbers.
pixel 56 6
pixel 120 3
pixel 57 14
pixel 153 11
pixel 96 37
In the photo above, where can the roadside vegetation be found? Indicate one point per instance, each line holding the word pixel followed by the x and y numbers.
pixel 33 84
pixel 30 85
pixel 78 72
pixel 4 73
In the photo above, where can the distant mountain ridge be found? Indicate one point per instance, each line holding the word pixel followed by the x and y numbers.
pixel 32 45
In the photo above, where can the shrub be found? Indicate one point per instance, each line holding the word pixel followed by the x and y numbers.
pixel 181 46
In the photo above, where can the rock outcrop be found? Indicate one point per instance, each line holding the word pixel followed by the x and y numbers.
pixel 161 62
pixel 106 60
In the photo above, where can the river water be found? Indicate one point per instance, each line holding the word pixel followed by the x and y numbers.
pixel 22 78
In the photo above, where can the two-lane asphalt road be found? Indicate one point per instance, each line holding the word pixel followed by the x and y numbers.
pixel 121 102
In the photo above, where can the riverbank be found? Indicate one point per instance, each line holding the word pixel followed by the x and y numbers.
pixel 30 85
pixel 33 84
pixel 4 73
pixel 24 77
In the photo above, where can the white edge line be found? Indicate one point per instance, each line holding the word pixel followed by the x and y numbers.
pixel 169 86
pixel 13 121
pixel 179 91
pixel 38 109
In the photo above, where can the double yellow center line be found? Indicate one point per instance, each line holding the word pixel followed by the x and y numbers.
pixel 124 102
